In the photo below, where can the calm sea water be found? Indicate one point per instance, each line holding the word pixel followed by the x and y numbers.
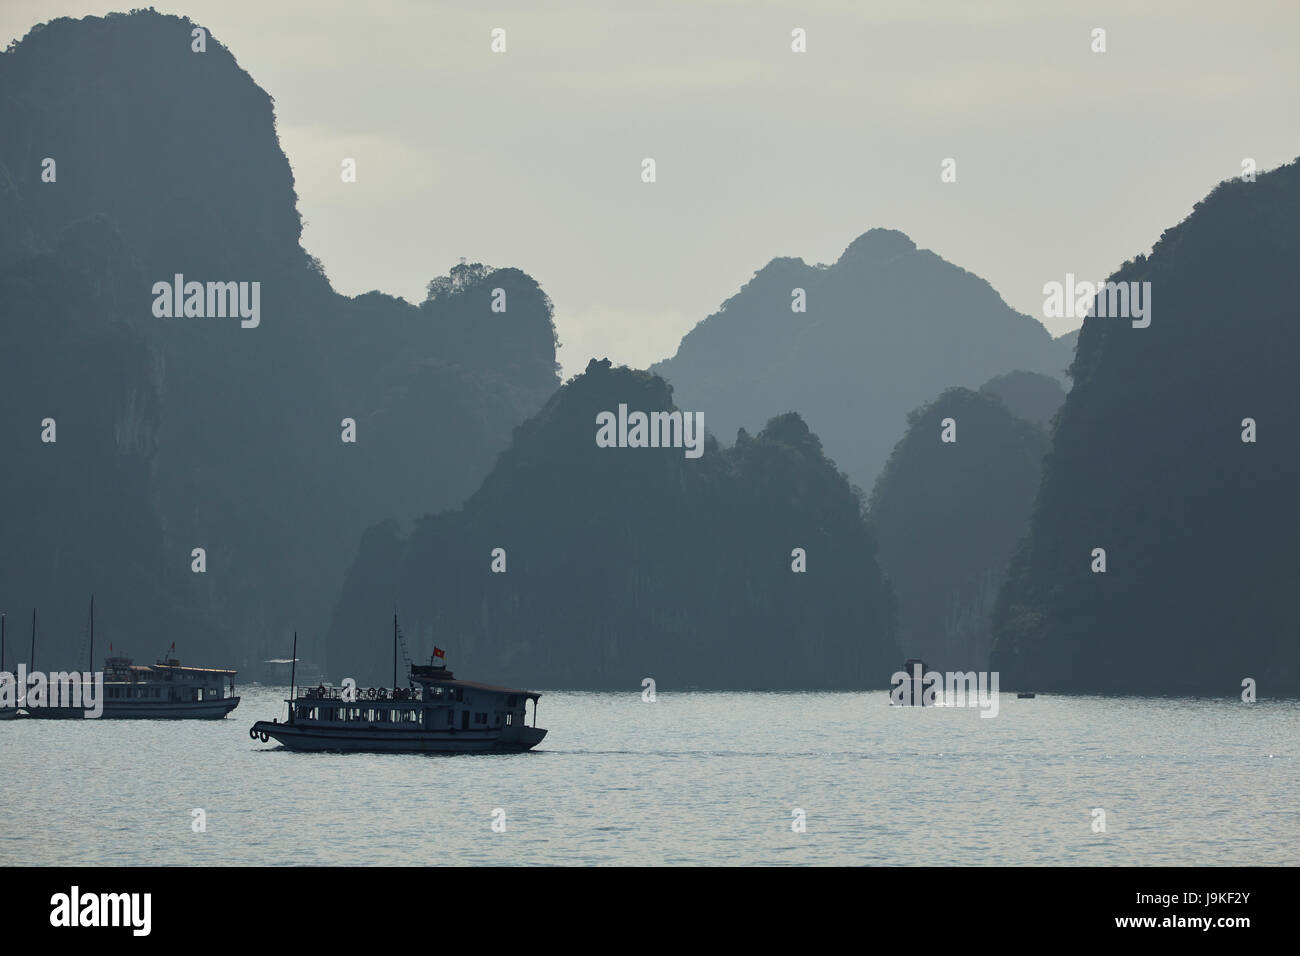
pixel 694 778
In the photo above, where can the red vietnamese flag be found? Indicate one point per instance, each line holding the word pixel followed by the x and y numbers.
pixel 439 652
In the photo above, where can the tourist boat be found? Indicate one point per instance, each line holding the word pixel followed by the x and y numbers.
pixel 435 713
pixel 168 690
pixel 162 690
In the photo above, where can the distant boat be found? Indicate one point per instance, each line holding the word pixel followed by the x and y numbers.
pixel 6 713
pixel 163 690
pixel 435 713
pixel 914 680
pixel 309 673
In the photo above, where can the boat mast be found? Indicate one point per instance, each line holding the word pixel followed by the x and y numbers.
pixel 394 649
pixel 2 642
pixel 293 665
pixel 32 657
pixel 92 634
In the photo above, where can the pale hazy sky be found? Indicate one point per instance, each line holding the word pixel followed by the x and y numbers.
pixel 1067 160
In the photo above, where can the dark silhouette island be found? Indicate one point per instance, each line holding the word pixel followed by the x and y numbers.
pixel 1148 463
pixel 195 432
pixel 627 563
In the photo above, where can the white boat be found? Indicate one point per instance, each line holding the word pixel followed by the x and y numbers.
pixel 167 689
pixel 163 690
pixel 435 713
pixel 308 674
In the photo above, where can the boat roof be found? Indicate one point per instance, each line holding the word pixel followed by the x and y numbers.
pixel 423 674
pixel 197 670
pixel 495 688
pixel 148 668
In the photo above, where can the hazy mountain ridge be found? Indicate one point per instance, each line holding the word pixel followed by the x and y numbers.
pixel 1029 395
pixel 887 327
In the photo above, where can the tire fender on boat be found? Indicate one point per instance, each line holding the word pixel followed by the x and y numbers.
pixel 265 738
pixel 252 733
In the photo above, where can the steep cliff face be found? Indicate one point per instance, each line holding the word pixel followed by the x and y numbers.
pixel 1149 465
pixel 949 509
pixel 886 328
pixel 620 563
pixel 78 386
pixel 238 422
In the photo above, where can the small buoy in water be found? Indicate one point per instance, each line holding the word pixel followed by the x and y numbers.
pixel 1025 696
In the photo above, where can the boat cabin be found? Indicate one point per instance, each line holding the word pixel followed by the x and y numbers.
pixel 165 681
pixel 436 701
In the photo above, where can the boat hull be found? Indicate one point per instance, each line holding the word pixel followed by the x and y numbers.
pixel 214 709
pixel 306 737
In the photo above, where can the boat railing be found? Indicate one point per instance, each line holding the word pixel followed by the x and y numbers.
pixel 322 692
